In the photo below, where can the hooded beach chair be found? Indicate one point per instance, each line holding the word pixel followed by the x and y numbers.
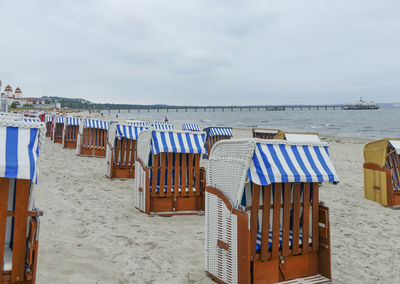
pixel 19 219
pixel 382 171
pixel 121 150
pixel 70 132
pixel 215 134
pixel 265 133
pixel 58 129
pixel 168 178
pixel 92 138
pixel 49 123
pixel 191 127
pixel 264 221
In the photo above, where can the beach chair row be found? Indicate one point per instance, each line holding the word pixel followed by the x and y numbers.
pixel 260 227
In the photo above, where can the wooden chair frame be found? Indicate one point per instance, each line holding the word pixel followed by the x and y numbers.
pixel 93 142
pixel 173 201
pixel 58 132
pixel 25 250
pixel 278 263
pixel 123 157
pixel 49 129
pixel 70 136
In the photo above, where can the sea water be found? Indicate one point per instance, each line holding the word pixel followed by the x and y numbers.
pixel 384 122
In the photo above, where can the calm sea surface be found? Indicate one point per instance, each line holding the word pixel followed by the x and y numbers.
pixel 384 122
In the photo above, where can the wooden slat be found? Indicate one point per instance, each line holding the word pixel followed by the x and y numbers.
pixel 276 220
pixel 190 174
pixel 169 174
pixel 255 202
pixel 162 175
pixel 296 218
pixel 177 173
pixel 99 138
pixel 306 217
pixel 197 173
pixel 103 138
pixel 4 191
pixel 133 156
pixel 124 142
pixel 117 152
pixel 20 229
pixel 184 175
pixel 265 222
pixel 286 219
pixel 315 213
pixel 155 175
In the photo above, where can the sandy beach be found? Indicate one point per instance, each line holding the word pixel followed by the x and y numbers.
pixel 91 232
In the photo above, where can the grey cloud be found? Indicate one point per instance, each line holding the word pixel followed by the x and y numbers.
pixel 247 52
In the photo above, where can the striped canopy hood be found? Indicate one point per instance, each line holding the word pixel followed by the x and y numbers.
pixel 19 149
pixel 265 162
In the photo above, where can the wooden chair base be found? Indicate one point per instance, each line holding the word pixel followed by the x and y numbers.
pixel 92 152
pixel 57 140
pixel 168 206
pixel 123 173
pixel 70 144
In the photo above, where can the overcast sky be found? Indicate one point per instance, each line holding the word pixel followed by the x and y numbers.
pixel 219 52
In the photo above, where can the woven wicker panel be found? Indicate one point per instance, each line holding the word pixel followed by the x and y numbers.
pixel 220 225
pixel 143 146
pixel 140 181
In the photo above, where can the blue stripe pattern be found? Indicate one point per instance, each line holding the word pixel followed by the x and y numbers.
pixel 137 123
pixel 129 131
pixel 98 124
pixel 178 142
pixel 73 121
pixel 31 119
pixel 32 140
pixel 275 163
pixel 11 152
pixel 162 126
pixel 191 127
pixel 59 119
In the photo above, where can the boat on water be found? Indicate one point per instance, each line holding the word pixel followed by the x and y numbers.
pixel 362 104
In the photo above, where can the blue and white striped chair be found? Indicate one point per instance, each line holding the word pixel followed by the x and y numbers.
pixel 70 132
pixel 215 134
pixel 19 151
pixel 121 150
pixel 264 222
pixel 58 129
pixel 168 178
pixel 191 127
pixel 49 122
pixel 92 138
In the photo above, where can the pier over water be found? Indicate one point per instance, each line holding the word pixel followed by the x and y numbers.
pixel 167 108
